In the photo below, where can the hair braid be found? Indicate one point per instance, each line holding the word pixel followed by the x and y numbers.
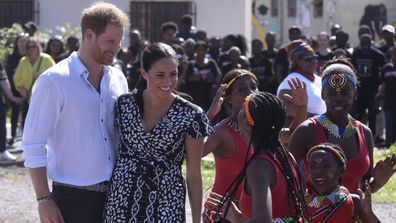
pixel 269 114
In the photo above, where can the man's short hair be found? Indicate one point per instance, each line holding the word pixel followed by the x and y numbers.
pixel 99 15
pixel 169 26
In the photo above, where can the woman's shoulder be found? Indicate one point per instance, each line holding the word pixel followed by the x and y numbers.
pixel 130 96
pixel 187 106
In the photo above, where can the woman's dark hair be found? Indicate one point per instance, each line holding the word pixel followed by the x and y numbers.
pixel 15 50
pixel 269 113
pixel 150 55
pixel 201 43
pixel 55 39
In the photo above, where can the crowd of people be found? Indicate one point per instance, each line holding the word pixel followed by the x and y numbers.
pixel 286 126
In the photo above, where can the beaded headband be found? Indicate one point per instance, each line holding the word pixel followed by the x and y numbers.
pixel 338 81
pixel 327 148
pixel 247 111
pixel 240 75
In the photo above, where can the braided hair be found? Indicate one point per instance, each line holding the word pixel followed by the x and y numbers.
pixel 268 113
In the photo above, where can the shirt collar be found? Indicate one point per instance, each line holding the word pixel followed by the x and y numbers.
pixel 79 68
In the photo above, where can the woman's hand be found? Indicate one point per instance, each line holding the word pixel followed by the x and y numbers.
pixel 298 89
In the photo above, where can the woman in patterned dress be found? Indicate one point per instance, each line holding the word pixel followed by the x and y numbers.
pixel 158 129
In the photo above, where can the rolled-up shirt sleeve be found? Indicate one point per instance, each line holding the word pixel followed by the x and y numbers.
pixel 43 115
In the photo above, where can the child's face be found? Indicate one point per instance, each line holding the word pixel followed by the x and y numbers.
pixel 324 171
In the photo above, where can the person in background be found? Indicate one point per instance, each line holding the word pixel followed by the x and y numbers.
pixel 202 77
pixel 368 62
pixel 30 27
pixel 55 48
pixel 271 51
pixel 189 49
pixel 70 135
pixel 158 131
pixel 29 69
pixel 341 40
pixel 304 67
pixel 387 91
pixel 388 34
pixel 235 61
pixel 5 156
pixel 281 61
pixel 323 52
pixel 261 66
pixel 201 35
pixel 12 62
pixel 334 29
pixel 72 44
pixel 214 47
pixel 169 30
pixel 186 28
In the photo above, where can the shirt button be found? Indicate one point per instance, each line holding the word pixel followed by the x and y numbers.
pixel 105 139
pixel 101 120
pixel 109 158
pixel 101 100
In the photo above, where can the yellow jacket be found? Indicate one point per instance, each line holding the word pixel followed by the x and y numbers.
pixel 25 73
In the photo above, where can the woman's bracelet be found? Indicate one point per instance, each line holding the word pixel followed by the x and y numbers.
pixel 45 199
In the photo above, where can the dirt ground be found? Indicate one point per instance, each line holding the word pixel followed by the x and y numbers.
pixel 18 205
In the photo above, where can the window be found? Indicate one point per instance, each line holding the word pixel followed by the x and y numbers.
pixel 318 8
pixel 147 16
pixel 274 8
pixel 291 8
pixel 12 11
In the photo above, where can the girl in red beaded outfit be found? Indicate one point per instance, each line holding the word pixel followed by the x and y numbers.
pixel 326 198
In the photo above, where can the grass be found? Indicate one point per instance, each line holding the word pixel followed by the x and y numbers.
pixel 388 192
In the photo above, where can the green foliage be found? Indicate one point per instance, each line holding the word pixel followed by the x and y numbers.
pixel 7 40
pixel 64 31
pixel 9 34
pixel 388 192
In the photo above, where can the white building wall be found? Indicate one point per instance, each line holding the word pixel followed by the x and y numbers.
pixel 346 12
pixel 222 17
pixel 217 17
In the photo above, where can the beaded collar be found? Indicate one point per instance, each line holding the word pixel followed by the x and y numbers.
pixel 338 131
pixel 335 198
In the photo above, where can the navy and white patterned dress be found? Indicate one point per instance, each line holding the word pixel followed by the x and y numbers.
pixel 147 184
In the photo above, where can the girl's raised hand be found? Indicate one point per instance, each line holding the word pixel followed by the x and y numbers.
pixel 216 103
pixel 383 170
pixel 365 197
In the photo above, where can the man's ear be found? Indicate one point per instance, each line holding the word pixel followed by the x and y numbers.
pixel 89 34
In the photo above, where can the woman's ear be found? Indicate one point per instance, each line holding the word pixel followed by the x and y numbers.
pixel 143 73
